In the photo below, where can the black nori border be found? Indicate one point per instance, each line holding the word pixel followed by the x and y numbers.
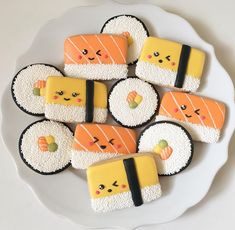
pixel 22 156
pixel 186 132
pixel 142 124
pixel 128 15
pixel 89 101
pixel 13 95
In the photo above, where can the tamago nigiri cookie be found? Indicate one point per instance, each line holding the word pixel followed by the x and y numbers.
pixel 95 142
pixel 123 182
pixel 75 100
pixel 133 102
pixel 170 64
pixel 44 146
pixel 171 143
pixel 131 27
pixel 29 85
pixel 96 56
pixel 201 116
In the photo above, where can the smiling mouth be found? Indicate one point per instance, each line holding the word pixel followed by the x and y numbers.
pixel 188 116
pixel 91 59
pixel 66 99
pixel 103 146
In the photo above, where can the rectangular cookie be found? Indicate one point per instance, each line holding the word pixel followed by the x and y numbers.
pixel 96 56
pixel 96 142
pixel 170 64
pixel 123 182
pixel 202 117
pixel 75 100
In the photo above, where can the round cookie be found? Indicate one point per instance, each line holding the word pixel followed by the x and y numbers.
pixel 171 144
pixel 28 87
pixel 44 146
pixel 131 27
pixel 133 102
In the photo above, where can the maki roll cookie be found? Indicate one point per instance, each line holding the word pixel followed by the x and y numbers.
pixel 171 144
pixel 75 100
pixel 44 146
pixel 29 85
pixel 170 64
pixel 95 142
pixel 202 117
pixel 131 27
pixel 96 56
pixel 137 101
pixel 123 182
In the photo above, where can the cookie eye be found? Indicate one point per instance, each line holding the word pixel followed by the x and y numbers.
pixel 197 111
pixel 59 92
pixel 85 51
pixel 98 52
pixel 168 57
pixel 183 107
pixel 101 186
pixel 111 141
pixel 115 184
pixel 74 94
pixel 95 140
pixel 156 54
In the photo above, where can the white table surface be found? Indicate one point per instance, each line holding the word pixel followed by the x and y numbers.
pixel 19 22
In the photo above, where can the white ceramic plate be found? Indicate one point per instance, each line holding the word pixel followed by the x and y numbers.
pixel 66 193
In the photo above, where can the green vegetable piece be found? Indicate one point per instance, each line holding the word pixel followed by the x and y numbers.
pixel 52 147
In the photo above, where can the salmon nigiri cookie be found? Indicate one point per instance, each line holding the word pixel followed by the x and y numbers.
pixel 201 116
pixel 75 100
pixel 171 143
pixel 29 85
pixel 123 182
pixel 95 142
pixel 170 64
pixel 96 56
pixel 44 146
pixel 137 101
pixel 131 27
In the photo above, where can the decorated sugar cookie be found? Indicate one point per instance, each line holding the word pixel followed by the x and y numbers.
pixel 96 56
pixel 75 100
pixel 171 144
pixel 131 27
pixel 201 116
pixel 133 102
pixel 29 85
pixel 170 64
pixel 123 182
pixel 44 146
pixel 95 142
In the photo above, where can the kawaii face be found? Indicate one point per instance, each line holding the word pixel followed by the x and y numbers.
pixel 65 91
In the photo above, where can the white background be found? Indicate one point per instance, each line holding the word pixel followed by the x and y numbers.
pixel 20 21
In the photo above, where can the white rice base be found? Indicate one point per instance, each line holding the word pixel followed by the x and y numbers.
pixel 72 113
pixel 198 132
pixel 129 24
pixel 23 87
pixel 47 162
pixel 124 199
pixel 143 112
pixel 96 71
pixel 164 77
pixel 83 159
pixel 177 140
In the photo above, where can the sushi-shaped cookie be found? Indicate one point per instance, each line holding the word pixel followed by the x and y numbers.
pixel 131 27
pixel 133 102
pixel 170 64
pixel 171 144
pixel 96 56
pixel 44 146
pixel 96 142
pixel 75 100
pixel 201 116
pixel 28 87
pixel 123 182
